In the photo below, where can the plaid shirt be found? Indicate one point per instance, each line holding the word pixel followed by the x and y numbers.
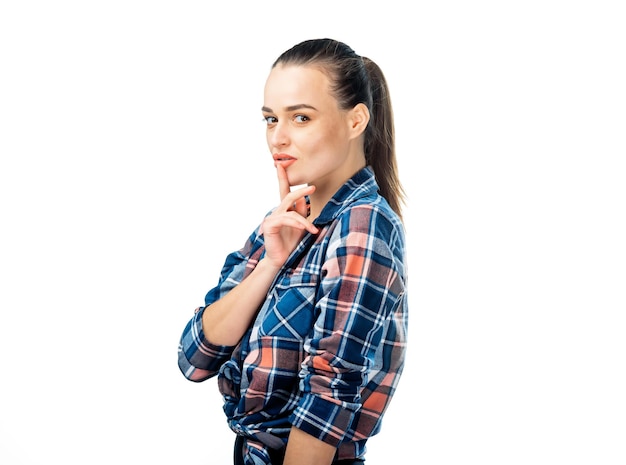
pixel 327 347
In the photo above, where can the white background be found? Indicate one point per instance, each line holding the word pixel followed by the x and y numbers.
pixel 133 160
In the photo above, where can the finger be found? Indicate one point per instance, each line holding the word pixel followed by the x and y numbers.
pixel 306 224
pixel 295 200
pixel 283 182
pixel 301 207
pixel 288 219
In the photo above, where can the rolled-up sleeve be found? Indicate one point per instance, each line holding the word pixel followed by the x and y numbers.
pixel 198 359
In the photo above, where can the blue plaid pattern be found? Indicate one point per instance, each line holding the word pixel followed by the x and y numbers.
pixel 327 348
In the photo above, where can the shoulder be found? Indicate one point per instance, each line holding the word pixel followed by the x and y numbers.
pixel 371 229
pixel 372 216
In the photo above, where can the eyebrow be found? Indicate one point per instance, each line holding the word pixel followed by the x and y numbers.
pixel 291 108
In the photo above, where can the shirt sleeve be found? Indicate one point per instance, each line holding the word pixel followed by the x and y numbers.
pixel 198 358
pixel 362 287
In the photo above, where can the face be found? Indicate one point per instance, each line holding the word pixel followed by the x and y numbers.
pixel 307 132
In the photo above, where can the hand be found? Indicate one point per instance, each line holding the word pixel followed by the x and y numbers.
pixel 287 224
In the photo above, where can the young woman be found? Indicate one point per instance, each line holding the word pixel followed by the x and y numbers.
pixel 306 328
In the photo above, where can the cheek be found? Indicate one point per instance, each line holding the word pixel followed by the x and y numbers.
pixel 307 141
pixel 322 139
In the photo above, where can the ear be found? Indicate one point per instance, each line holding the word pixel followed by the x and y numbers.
pixel 358 118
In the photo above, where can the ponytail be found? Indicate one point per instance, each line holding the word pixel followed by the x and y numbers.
pixel 380 145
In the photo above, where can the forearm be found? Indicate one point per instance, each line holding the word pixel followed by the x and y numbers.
pixel 304 449
pixel 225 321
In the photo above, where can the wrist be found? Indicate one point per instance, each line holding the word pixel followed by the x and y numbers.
pixel 265 266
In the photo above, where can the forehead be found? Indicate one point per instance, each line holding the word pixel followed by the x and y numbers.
pixel 297 84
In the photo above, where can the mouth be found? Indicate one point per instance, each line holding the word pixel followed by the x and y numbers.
pixel 283 159
pixel 279 157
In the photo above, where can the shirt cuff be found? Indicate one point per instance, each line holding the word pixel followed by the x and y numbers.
pixel 198 359
pixel 327 420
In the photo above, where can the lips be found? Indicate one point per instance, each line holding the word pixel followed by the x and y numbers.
pixel 284 159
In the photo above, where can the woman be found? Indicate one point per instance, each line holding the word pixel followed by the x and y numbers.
pixel 306 329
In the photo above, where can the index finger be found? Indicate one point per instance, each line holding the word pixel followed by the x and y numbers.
pixel 283 182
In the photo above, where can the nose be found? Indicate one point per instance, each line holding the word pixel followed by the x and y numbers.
pixel 278 135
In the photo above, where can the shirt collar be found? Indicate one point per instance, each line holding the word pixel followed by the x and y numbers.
pixel 362 184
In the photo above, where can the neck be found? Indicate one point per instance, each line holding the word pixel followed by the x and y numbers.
pixel 324 192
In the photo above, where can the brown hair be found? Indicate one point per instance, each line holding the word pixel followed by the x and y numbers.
pixel 354 80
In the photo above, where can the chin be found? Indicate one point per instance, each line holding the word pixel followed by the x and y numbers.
pixel 296 180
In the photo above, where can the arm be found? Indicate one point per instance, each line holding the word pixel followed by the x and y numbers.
pixel 304 449
pixel 211 335
pixel 356 332
pixel 225 327
pixel 198 358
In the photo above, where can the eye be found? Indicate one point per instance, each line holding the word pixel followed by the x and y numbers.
pixel 270 119
pixel 301 118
